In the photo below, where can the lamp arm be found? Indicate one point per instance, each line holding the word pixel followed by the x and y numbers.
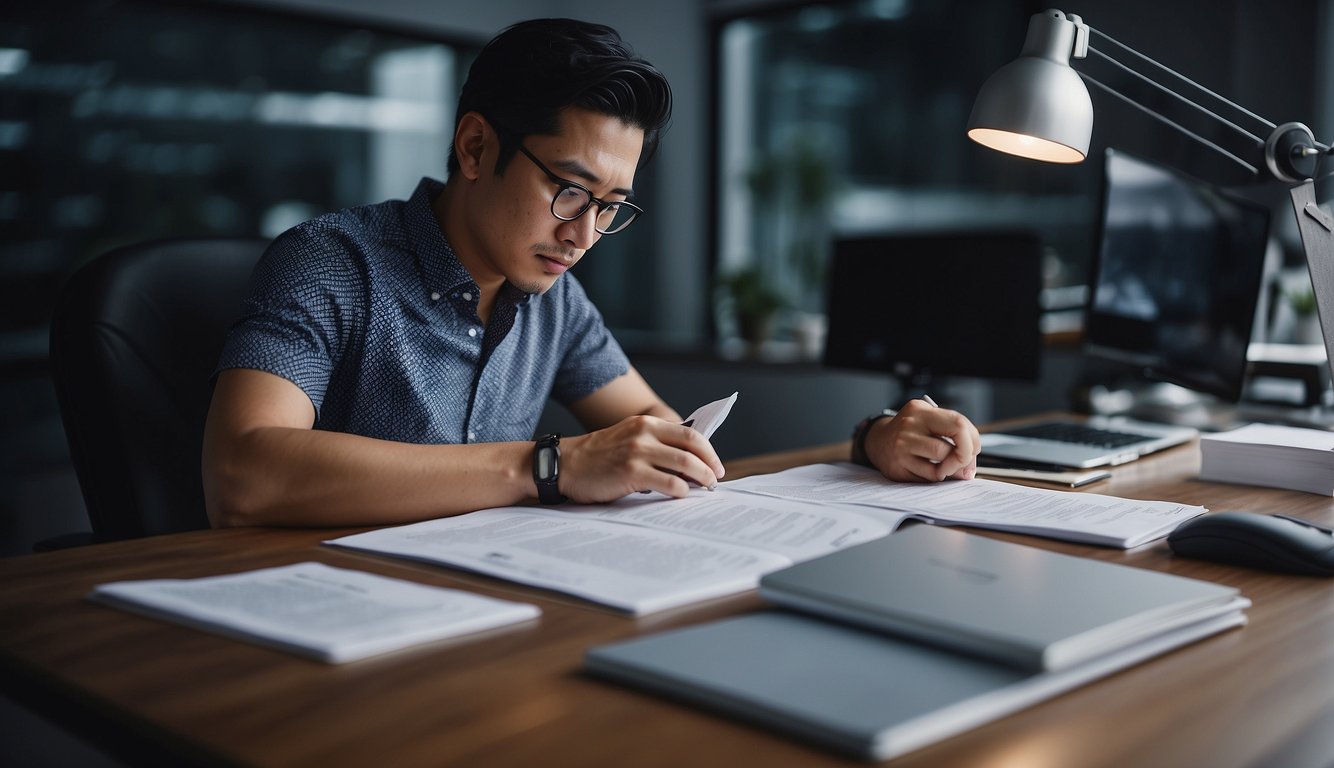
pixel 1192 104
pixel 1168 70
pixel 1291 153
pixel 1177 126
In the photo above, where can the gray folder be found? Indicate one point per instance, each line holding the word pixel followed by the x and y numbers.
pixel 1013 603
pixel 857 692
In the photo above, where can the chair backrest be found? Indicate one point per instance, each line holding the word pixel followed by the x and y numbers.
pixel 135 336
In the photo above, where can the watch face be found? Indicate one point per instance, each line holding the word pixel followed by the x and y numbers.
pixel 546 463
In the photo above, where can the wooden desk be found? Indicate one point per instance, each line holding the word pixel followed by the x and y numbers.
pixel 1258 696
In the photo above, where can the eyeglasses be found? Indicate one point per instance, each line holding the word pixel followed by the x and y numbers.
pixel 573 199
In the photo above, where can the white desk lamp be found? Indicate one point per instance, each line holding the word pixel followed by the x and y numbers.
pixel 1038 107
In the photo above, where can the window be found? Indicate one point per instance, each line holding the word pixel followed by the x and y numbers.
pixel 848 118
pixel 145 120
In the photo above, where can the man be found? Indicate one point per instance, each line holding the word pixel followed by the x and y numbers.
pixel 392 360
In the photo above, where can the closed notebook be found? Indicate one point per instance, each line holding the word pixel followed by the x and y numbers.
pixel 1016 604
pixel 855 691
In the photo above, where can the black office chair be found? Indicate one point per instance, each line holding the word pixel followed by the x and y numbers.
pixel 135 335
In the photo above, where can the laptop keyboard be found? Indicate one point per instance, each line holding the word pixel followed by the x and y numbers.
pixel 1070 432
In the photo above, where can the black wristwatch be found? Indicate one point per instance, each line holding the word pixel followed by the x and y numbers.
pixel 546 469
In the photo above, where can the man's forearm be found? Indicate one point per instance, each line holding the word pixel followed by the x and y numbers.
pixel 303 477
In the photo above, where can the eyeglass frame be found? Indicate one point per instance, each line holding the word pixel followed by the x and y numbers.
pixel 602 205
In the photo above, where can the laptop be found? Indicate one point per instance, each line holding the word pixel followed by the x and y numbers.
pixel 1097 442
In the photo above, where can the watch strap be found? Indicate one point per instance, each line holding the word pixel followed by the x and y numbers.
pixel 546 469
pixel 860 432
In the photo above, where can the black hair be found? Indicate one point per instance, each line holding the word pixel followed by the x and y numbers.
pixel 531 71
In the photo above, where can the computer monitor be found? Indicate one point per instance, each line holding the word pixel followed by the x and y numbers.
pixel 960 304
pixel 1178 273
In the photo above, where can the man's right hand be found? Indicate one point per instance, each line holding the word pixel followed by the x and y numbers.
pixel 639 453
pixel 924 443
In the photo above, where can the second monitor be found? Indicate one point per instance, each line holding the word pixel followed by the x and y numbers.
pixel 959 304
pixel 1178 276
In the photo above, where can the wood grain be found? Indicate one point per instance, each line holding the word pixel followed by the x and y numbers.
pixel 156 692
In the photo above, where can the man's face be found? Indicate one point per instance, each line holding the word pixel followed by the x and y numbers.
pixel 518 237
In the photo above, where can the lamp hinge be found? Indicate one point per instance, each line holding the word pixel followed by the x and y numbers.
pixel 1081 49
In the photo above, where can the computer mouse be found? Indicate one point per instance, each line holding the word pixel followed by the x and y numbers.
pixel 1255 540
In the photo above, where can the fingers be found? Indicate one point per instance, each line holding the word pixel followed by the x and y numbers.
pixel 697 449
pixel 641 453
pixel 926 443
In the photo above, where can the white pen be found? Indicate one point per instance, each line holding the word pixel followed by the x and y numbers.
pixel 927 399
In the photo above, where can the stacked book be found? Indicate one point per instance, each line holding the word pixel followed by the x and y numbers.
pixel 1264 454
pixel 907 640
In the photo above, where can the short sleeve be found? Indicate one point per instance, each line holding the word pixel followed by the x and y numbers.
pixel 593 358
pixel 306 299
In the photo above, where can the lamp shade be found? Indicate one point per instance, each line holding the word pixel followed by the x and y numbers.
pixel 1037 106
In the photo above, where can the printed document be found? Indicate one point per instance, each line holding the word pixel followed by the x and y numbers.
pixel 1084 517
pixel 707 418
pixel 315 610
pixel 637 555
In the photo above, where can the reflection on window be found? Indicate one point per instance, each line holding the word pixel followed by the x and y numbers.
pixel 848 118
pixel 147 120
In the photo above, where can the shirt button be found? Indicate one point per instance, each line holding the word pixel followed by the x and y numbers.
pixel 435 296
pixel 472 332
pixel 472 436
pixel 467 297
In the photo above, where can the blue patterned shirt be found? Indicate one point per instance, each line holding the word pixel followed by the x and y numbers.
pixel 371 314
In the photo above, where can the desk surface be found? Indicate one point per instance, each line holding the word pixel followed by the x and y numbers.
pixel 1261 695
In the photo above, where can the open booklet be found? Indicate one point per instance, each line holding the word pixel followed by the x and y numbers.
pixel 639 555
pixel 1088 518
pixel 330 614
pixel 642 553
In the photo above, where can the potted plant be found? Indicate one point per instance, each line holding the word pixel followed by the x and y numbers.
pixel 753 303
pixel 1306 330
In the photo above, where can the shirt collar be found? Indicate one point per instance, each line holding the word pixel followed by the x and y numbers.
pixel 440 268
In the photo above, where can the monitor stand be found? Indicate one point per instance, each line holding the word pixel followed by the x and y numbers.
pixel 912 382
pixel 1314 417
pixel 1169 404
pixel 1164 403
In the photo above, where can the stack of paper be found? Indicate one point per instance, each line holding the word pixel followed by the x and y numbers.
pixel 1269 455
pixel 969 630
